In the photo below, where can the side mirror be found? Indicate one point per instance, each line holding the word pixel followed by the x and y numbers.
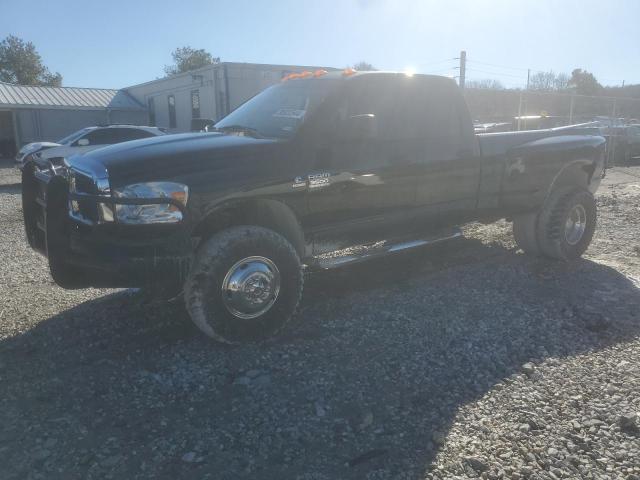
pixel 361 127
pixel 202 125
pixel 83 142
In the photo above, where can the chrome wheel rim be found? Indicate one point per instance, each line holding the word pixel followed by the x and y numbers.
pixel 575 225
pixel 251 287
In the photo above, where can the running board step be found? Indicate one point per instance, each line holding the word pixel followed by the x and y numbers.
pixel 361 253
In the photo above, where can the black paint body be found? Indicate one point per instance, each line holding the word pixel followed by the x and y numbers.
pixel 326 187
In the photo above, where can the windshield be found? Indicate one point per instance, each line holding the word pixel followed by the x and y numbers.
pixel 73 137
pixel 279 111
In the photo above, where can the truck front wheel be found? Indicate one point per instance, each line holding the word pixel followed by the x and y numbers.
pixel 567 223
pixel 245 284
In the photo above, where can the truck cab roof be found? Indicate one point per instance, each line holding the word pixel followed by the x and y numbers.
pixel 352 74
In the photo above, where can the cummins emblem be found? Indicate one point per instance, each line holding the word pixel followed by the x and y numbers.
pixel 317 180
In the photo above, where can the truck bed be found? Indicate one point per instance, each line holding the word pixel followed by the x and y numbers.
pixel 499 143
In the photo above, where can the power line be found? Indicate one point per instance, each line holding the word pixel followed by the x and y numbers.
pixel 497 66
pixel 436 63
pixel 497 73
pixel 435 72
pixel 533 70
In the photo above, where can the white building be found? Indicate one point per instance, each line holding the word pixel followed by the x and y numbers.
pixel 209 92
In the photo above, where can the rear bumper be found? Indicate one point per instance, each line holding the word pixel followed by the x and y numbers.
pixel 85 254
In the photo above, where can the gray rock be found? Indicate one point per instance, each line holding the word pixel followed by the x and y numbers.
pixel 111 461
pixel 476 464
pixel 41 454
pixel 524 428
pixel 629 423
pixel 528 368
pixel 438 438
pixel 242 380
pixel 189 457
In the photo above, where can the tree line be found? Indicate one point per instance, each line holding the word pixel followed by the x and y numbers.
pixel 580 81
pixel 21 64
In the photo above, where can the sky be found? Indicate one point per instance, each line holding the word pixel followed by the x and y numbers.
pixel 117 43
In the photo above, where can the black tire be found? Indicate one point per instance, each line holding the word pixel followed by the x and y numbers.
pixel 216 258
pixel 525 233
pixel 552 238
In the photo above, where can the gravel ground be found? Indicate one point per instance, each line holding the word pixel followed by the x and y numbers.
pixel 462 361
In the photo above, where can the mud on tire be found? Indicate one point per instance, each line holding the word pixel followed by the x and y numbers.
pixel 220 255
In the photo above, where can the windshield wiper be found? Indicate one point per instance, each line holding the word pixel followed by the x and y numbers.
pixel 240 128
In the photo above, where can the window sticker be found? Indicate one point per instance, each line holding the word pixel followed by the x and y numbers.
pixel 290 113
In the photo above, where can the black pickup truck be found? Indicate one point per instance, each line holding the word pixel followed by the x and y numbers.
pixel 318 171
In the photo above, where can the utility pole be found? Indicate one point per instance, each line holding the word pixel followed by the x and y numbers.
pixel 463 67
pixel 571 105
pixel 520 100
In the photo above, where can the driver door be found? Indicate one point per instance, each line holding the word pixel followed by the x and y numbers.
pixel 362 188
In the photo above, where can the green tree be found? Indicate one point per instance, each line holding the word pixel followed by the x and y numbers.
pixel 364 67
pixel 186 59
pixel 20 63
pixel 584 82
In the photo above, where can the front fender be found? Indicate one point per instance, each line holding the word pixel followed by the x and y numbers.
pixel 264 212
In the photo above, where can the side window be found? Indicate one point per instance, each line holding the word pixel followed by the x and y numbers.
pixel 195 104
pixel 128 134
pixel 371 97
pixel 101 136
pixel 171 101
pixel 407 108
pixel 151 107
pixel 137 134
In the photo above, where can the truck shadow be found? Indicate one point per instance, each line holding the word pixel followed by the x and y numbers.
pixel 368 379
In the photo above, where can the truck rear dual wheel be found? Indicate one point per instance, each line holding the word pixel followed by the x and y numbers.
pixel 245 285
pixel 563 229
pixel 524 232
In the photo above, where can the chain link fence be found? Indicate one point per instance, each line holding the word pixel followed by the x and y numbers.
pixel 511 110
pixel 504 105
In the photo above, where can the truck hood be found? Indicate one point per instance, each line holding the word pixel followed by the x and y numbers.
pixel 35 146
pixel 167 156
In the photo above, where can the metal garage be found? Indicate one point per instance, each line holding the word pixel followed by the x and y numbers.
pixel 29 113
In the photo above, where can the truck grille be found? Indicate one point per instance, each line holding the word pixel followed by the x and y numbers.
pixel 81 183
pixel 86 209
pixel 36 180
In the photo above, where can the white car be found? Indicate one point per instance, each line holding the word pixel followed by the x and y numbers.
pixel 85 140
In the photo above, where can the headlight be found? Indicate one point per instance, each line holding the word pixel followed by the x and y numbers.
pixel 155 212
